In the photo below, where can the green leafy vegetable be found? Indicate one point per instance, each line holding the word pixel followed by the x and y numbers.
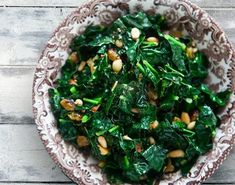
pixel 137 103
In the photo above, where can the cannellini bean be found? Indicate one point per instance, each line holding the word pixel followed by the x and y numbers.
pixel 185 117
pixel 102 141
pixel 135 33
pixel 176 154
pixel 117 65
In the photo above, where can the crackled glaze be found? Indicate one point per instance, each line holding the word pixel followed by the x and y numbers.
pixel 194 22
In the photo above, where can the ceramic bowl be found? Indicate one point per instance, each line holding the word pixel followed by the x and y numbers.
pixel 193 21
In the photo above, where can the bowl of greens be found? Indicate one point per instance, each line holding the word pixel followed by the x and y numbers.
pixel 136 92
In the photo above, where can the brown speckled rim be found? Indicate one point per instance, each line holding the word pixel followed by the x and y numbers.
pixel 68 172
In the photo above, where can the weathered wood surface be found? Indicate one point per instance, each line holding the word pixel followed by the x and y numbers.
pixel 75 3
pixel 26 25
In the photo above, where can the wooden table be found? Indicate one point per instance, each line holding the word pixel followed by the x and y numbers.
pixel 25 27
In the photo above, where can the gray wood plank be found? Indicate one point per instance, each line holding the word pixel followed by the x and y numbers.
pixel 16 93
pixel 56 3
pixel 70 183
pixel 25 31
pixel 36 183
pixel 24 159
pixel 75 3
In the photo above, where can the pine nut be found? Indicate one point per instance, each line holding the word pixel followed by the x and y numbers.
pixel 82 141
pixel 194 115
pixel 91 64
pixel 78 102
pixel 73 82
pixel 81 66
pixel 75 116
pixel 101 164
pixel 154 125
pixel 67 104
pixel 138 148
pixel 126 137
pixel 114 86
pixel 176 119
pixel 135 110
pixel 103 151
pixel 112 55
pixel 117 65
pixel 102 141
pixel 152 95
pixel 135 33
pixel 152 141
pixel 143 177
pixel 190 53
pixel 169 169
pixel 176 154
pixel 119 43
pixel 191 125
pixel 95 108
pixel 185 117
pixel 153 39
pixel 73 57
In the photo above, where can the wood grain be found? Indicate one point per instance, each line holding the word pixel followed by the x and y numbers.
pixel 16 93
pixel 26 30
pixel 75 3
pixel 25 159
pixel 36 183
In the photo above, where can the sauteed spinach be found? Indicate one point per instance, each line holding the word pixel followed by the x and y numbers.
pixel 134 97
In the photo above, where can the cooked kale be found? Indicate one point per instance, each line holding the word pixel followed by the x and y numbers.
pixel 135 98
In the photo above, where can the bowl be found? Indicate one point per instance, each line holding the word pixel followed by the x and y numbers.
pixel 180 14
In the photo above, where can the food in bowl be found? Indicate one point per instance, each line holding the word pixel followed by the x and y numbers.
pixel 134 97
